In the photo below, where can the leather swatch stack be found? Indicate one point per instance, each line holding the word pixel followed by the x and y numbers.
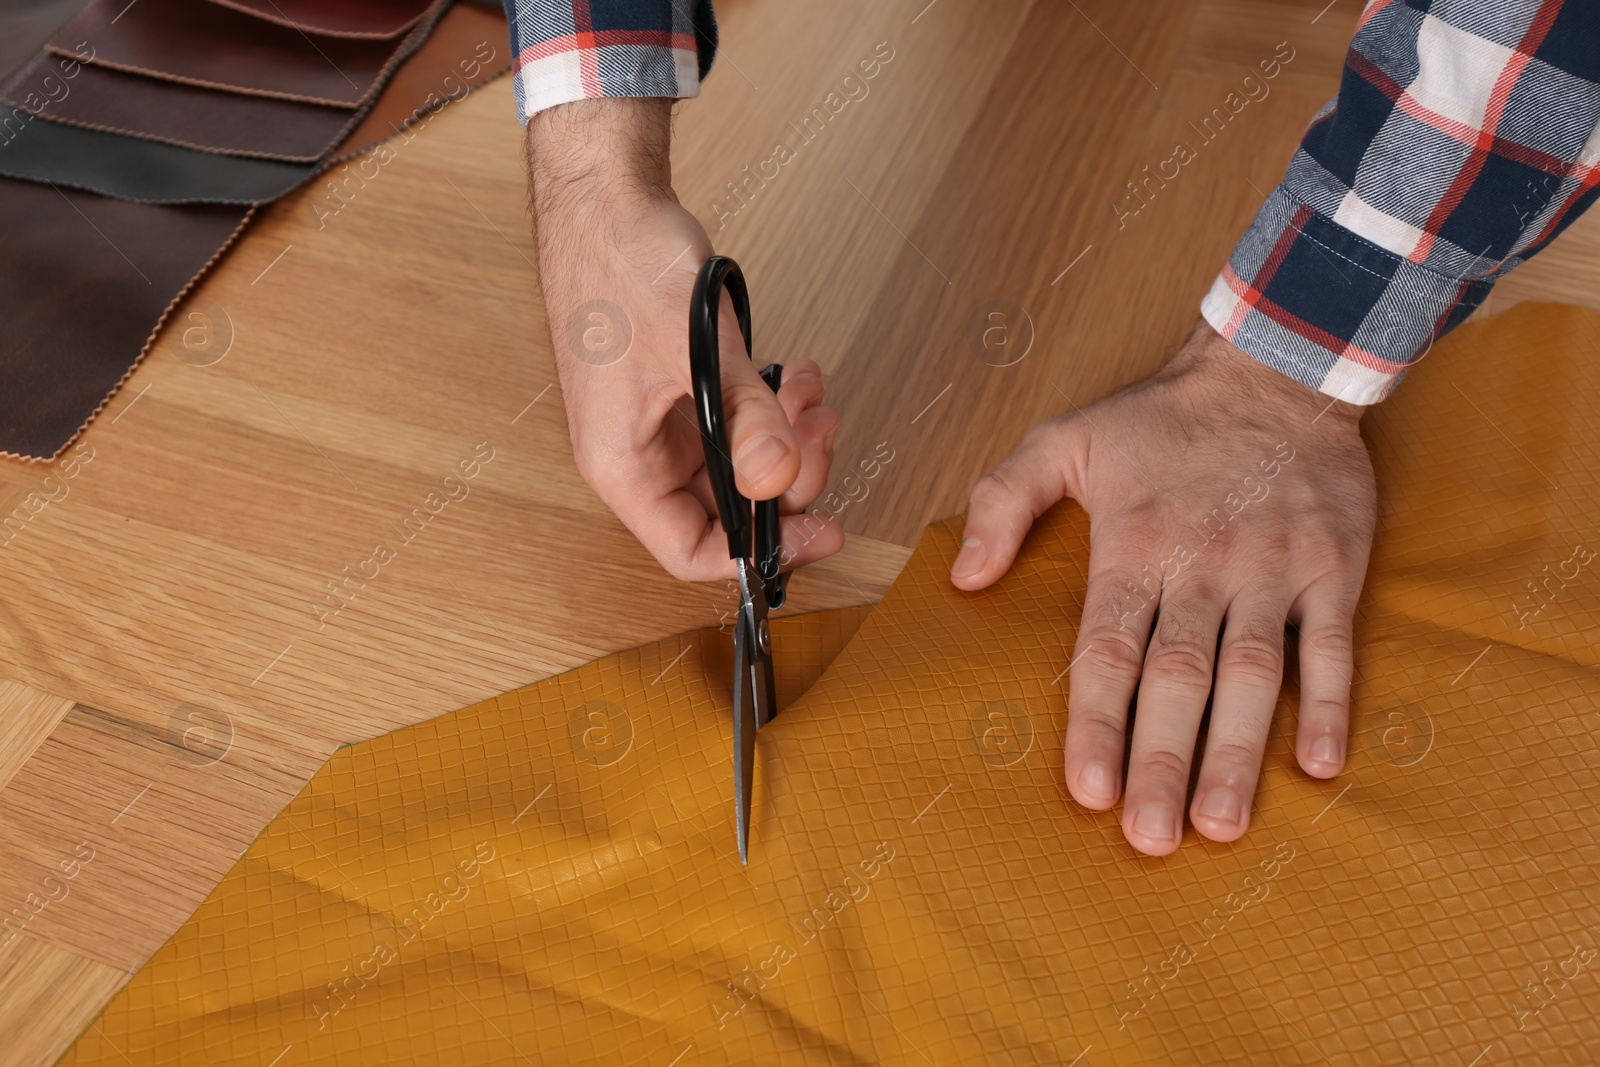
pixel 137 140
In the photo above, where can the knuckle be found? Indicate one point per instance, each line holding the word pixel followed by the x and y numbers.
pixel 1185 665
pixel 1233 755
pixel 1180 654
pixel 1163 764
pixel 1271 549
pixel 1324 708
pixel 1112 655
pixel 1335 555
pixel 1255 654
pixel 1101 731
pixel 1336 643
pixel 994 489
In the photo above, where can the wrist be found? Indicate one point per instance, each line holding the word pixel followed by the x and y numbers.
pixel 602 154
pixel 1247 381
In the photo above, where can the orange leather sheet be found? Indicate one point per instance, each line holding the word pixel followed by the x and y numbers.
pixel 549 877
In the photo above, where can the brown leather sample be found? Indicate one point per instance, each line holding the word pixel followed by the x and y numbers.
pixel 466 48
pixel 136 168
pixel 113 101
pixel 220 48
pixel 131 168
pixel 26 24
pixel 66 252
pixel 337 18
pixel 463 49
pixel 58 366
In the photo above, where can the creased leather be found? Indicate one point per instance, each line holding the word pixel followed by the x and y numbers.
pixel 337 18
pixel 549 876
pixel 216 47
pixel 100 98
pixel 58 366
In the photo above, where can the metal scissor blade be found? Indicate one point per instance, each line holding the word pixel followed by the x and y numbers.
pixel 758 660
pixel 744 730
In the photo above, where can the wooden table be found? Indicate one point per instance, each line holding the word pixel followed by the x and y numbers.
pixel 180 648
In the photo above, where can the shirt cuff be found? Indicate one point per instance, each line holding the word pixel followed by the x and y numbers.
pixel 1329 308
pixel 563 70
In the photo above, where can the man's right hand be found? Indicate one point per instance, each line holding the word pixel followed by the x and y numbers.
pixel 618 256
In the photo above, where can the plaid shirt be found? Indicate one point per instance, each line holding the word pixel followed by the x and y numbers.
pixel 1465 137
pixel 577 49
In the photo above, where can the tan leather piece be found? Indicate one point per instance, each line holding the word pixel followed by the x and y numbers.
pixel 483 888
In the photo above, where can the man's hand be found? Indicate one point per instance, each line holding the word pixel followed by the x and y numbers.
pixel 618 256
pixel 1223 498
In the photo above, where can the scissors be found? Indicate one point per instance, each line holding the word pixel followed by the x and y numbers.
pixel 753 533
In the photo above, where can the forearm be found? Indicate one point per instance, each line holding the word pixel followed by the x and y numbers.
pixel 589 154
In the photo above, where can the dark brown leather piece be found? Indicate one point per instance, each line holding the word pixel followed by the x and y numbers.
pixel 465 48
pixel 135 168
pixel 131 168
pixel 100 98
pixel 65 253
pixel 58 366
pixel 25 25
pixel 219 48
pixel 337 18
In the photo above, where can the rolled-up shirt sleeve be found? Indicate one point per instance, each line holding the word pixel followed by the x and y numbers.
pixel 569 50
pixel 1464 138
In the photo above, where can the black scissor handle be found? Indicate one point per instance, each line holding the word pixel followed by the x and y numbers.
pixel 769 533
pixel 705 371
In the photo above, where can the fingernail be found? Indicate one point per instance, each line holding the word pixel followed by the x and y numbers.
pixel 760 456
pixel 970 560
pixel 1155 822
pixel 1097 783
pixel 1222 805
pixel 1325 750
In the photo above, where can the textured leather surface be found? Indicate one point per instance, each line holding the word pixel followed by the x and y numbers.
pixel 221 48
pixel 466 48
pixel 137 138
pixel 25 25
pixel 548 877
pixel 101 98
pixel 59 366
pixel 59 363
pixel 132 168
pixel 337 18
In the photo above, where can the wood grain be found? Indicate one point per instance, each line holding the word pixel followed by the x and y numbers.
pixel 176 663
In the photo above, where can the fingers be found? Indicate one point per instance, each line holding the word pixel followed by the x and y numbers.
pixel 1249 676
pixel 1325 613
pixel 1006 500
pixel 808 538
pixel 815 429
pixel 761 441
pixel 1172 698
pixel 1119 605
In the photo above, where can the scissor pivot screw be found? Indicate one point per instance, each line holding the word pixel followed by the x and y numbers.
pixel 763 637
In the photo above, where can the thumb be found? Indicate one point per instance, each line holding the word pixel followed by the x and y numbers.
pixel 761 442
pixel 1006 500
